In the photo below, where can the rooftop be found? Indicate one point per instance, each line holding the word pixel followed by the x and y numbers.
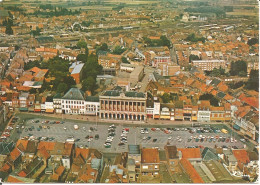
pixel 74 94
pixel 150 155
pixel 134 149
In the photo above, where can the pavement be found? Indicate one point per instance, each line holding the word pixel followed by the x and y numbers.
pixel 133 137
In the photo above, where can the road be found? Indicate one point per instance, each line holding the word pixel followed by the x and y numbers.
pixel 133 137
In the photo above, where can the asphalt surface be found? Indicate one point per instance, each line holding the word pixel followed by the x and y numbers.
pixel 178 138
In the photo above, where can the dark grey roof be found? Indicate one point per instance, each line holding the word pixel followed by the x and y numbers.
pixel 134 94
pixel 6 148
pixel 134 149
pixel 221 95
pixel 111 93
pixel 74 94
pixel 57 96
pixel 92 98
pixel 45 39
pixel 215 82
pixel 209 154
pixel 157 76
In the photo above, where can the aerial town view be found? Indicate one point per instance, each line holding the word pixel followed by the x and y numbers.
pixel 129 91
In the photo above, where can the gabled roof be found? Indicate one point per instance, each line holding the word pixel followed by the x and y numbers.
pixel 190 170
pixel 209 154
pixel 74 94
pixel 215 82
pixel 190 153
pixel 221 95
pixel 15 154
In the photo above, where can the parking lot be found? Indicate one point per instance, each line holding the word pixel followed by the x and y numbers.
pixel 84 135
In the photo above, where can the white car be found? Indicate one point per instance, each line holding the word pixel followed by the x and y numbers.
pixel 169 138
pixel 84 128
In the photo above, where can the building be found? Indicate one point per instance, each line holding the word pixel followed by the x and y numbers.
pixel 172 156
pixel 137 74
pixel 73 102
pixel 161 59
pixel 134 162
pixel 204 111
pixel 125 106
pixel 150 162
pixel 92 105
pixel 166 69
pixel 209 65
pixel 57 103
pixel 76 71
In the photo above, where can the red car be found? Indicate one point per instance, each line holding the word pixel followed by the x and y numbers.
pixel 153 129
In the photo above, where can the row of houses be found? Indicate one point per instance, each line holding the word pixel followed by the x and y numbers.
pixel 26 160
pixel 116 104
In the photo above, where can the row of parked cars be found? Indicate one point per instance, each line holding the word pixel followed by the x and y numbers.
pixel 8 129
pixel 123 137
pixel 203 138
pixel 110 137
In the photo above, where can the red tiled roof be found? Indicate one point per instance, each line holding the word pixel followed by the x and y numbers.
pixel 48 145
pixel 84 152
pixel 15 154
pixel 150 155
pixel 12 179
pixel 190 153
pixel 195 177
pixel 241 156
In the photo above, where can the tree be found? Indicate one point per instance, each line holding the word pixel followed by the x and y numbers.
pixel 118 50
pixel 193 57
pixel 62 88
pixel 237 67
pixel 89 84
pixel 124 60
pixel 81 44
pixel 253 81
pixel 82 57
pixel 213 100
pixel 165 41
pixel 9 30
pixel 36 32
pixel 166 98
pixel 252 41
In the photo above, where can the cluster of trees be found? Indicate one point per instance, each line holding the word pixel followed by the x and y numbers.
pixel 56 11
pixel 59 69
pixel 252 41
pixel 90 71
pixel 193 38
pixel 119 50
pixel 236 85
pixel 253 81
pixel 207 9
pixel 168 97
pixel 91 68
pixel 238 68
pixel 102 47
pixel 8 23
pixel 213 100
pixel 82 45
pixel 217 72
pixel 36 32
pixel 163 41
pixel 124 60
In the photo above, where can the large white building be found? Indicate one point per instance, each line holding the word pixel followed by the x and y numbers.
pixel 73 102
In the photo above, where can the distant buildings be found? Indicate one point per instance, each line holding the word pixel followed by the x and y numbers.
pixel 209 65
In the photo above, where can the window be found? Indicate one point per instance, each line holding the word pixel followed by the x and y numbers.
pixel 145 167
